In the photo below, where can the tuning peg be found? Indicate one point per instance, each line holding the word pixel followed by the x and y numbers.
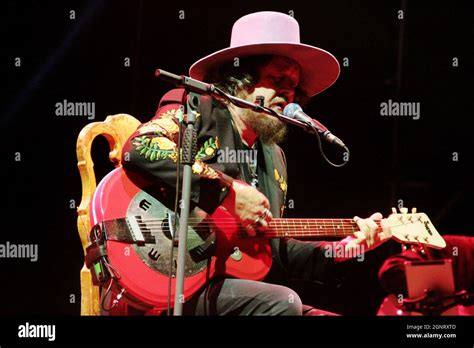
pixel 413 210
pixel 394 210
pixel 403 210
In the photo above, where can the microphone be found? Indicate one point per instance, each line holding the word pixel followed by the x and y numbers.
pixel 185 81
pixel 295 112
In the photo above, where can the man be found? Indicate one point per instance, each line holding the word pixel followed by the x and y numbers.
pixel 266 60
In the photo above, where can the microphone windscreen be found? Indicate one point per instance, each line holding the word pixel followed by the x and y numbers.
pixel 291 109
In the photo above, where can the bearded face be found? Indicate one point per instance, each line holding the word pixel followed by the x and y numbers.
pixel 268 128
pixel 277 83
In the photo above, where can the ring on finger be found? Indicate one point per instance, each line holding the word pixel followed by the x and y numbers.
pixel 266 213
pixel 258 220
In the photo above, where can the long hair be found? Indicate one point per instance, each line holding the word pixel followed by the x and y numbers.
pixel 242 75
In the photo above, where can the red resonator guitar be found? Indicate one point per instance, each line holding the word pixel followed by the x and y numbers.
pixel 132 234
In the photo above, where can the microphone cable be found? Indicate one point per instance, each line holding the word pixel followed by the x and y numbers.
pixel 320 146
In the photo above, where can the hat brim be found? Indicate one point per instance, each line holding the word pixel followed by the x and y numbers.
pixel 319 68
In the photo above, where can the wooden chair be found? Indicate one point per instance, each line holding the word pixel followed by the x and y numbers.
pixel 116 129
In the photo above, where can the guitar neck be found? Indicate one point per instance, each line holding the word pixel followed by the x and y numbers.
pixel 281 228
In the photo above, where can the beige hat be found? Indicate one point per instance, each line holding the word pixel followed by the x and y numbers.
pixel 274 33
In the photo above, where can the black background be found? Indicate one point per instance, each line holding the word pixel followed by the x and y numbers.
pixel 82 60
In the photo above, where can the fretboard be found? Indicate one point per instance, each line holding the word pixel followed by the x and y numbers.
pixel 311 228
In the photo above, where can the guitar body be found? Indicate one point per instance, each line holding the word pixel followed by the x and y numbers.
pixel 143 268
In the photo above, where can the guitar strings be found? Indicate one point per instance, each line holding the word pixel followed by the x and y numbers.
pixel 327 226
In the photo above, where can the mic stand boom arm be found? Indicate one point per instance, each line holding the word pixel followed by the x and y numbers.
pixel 200 87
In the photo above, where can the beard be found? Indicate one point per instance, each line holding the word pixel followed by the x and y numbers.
pixel 269 129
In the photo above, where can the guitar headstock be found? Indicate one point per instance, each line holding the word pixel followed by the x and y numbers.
pixel 414 228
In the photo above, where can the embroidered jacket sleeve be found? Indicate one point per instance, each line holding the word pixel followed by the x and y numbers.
pixel 152 152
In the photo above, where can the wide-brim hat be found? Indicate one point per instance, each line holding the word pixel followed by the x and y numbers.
pixel 274 33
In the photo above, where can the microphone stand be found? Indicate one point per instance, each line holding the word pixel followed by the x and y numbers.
pixel 188 153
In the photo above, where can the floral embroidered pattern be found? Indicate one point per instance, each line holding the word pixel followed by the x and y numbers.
pixel 156 148
pixel 154 143
pixel 203 169
pixel 281 181
pixel 283 186
pixel 208 149
pixel 166 124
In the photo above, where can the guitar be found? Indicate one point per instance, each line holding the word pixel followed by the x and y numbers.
pixel 132 234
